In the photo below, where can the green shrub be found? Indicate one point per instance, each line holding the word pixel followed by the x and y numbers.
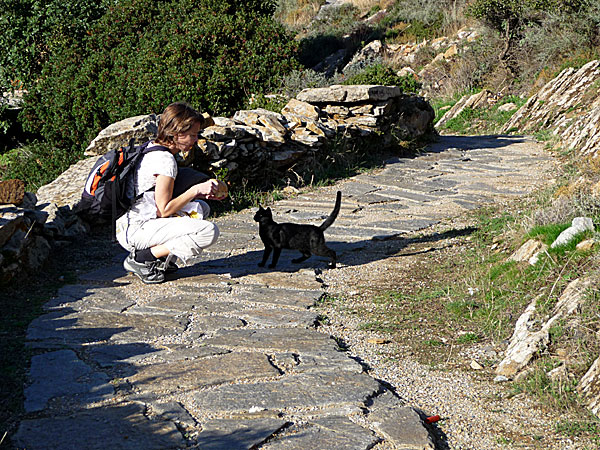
pixel 297 80
pixel 386 76
pixel 30 30
pixel 37 164
pixel 142 55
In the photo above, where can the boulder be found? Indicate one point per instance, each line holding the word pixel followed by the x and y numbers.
pixel 349 94
pixel 139 128
pixel 589 388
pixel 474 101
pixel 531 336
pixel 569 105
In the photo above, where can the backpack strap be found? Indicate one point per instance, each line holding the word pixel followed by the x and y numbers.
pixel 147 148
pixel 144 149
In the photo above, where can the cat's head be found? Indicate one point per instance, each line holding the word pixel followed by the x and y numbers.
pixel 263 213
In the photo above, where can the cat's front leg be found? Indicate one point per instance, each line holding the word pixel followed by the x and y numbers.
pixel 276 254
pixel 266 254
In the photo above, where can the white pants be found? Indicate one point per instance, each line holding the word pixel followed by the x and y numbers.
pixel 185 237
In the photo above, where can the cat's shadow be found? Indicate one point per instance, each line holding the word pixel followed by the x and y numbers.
pixel 349 254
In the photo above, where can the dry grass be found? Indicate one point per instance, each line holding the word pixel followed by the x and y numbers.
pixel 297 14
pixel 366 5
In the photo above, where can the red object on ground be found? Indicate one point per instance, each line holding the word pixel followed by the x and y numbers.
pixel 432 419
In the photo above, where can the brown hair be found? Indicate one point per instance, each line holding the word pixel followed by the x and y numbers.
pixel 177 118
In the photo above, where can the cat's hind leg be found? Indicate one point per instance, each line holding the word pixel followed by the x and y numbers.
pixel 302 258
pixel 326 251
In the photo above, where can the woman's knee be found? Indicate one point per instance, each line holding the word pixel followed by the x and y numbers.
pixel 214 232
pixel 206 236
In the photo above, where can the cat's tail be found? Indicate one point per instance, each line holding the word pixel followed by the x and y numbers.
pixel 334 213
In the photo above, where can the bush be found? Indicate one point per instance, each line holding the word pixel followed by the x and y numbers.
pixel 37 164
pixel 209 53
pixel 422 19
pixel 511 17
pixel 297 80
pixel 30 30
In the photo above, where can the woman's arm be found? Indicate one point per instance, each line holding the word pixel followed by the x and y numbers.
pixel 167 205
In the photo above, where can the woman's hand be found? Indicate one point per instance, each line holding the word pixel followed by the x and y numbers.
pixel 207 189
pixel 212 190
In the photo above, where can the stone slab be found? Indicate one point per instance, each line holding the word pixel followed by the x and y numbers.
pixel 398 194
pixel 184 376
pixel 176 304
pixel 174 412
pixel 294 391
pixel 138 354
pixel 237 434
pixel 327 433
pixel 274 339
pixel 118 427
pixel 114 273
pixel 356 188
pixel 86 327
pixel 402 427
pixel 271 317
pixel 209 324
pixel 63 374
pixel 300 298
pixel 293 279
pixel 398 226
pixel 78 297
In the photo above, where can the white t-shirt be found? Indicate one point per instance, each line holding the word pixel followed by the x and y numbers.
pixel 158 162
pixel 153 164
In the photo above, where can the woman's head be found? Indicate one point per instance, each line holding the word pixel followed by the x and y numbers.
pixel 179 125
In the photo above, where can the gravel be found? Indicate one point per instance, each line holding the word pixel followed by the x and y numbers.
pixel 476 412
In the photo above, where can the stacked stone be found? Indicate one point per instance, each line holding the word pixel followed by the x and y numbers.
pixel 21 243
pixel 257 139
pixel 256 145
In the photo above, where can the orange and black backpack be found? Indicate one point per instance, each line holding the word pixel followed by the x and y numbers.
pixel 110 187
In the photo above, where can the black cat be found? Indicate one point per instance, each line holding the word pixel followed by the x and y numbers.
pixel 309 239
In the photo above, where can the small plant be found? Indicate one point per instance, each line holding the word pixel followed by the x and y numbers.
pixel 468 338
pixel 547 233
pixel 36 164
pixel 433 343
pixel 385 76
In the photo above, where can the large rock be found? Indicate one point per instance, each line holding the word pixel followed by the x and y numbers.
pixel 139 128
pixel 569 105
pixel 589 387
pixel 474 101
pixel 531 337
pixel 349 94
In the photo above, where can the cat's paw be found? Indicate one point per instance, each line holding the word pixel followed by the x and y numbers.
pixel 331 265
pixel 271 266
pixel 261 264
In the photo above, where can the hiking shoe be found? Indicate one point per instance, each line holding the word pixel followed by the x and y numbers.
pixel 149 272
pixel 170 265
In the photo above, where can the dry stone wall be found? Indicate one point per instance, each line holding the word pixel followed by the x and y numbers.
pixel 253 145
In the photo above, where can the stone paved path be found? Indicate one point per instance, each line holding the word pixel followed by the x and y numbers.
pixel 227 355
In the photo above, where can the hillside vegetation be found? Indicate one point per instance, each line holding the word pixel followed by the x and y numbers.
pixel 85 64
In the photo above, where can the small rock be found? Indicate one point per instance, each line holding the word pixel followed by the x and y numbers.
pixel 501 379
pixel 476 366
pixel 587 245
pixel 377 341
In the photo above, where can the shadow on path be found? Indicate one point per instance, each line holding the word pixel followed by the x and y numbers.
pixel 349 254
